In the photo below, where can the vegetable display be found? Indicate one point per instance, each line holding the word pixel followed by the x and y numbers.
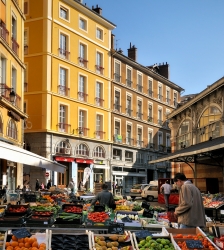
pixel 69 216
pixel 98 216
pixel 72 209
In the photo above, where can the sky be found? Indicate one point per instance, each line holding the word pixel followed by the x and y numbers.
pixel 187 34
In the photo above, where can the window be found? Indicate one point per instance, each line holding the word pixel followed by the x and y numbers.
pixel 99 127
pixel 62 88
pixel 11 129
pixel 160 122
pixel 160 97
pixel 63 147
pixel 82 24
pixel 2 73
pixel 117 73
pixel 139 158
pixel 64 13
pixel 25 8
pixel 99 63
pixel 168 140
pixel 150 113
pixel 62 125
pixel 128 156
pixel 83 55
pixel 82 129
pixel 129 140
pixel 99 152
pixel 160 138
pixel 128 109
pixel 175 99
pixel 139 108
pixel 25 42
pixel 150 92
pixel 117 105
pixel 99 33
pixel 82 95
pixel 117 128
pixel 184 135
pixel 99 94
pixel 14 79
pixel 139 138
pixel 150 140
pixel 168 96
pixel 82 149
pixel 128 80
pixel 139 86
pixel 14 28
pixel 63 47
pixel 117 154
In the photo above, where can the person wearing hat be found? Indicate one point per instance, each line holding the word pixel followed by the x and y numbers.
pixel 190 211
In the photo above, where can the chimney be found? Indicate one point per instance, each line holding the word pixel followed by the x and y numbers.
pixel 112 41
pixel 164 70
pixel 97 9
pixel 132 52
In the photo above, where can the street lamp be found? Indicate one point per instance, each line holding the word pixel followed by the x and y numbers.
pixel 12 94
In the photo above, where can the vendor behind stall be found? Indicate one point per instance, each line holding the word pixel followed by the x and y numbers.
pixel 105 198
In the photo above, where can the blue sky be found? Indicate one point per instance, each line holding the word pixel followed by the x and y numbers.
pixel 187 34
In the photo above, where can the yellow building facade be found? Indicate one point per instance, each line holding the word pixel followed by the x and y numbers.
pixel 11 88
pixel 67 88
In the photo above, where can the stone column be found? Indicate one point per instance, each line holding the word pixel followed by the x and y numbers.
pixel 91 178
pixel 74 173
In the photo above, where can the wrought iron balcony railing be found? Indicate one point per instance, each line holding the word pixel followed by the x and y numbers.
pixel 117 77
pixel 117 107
pixel 83 131
pixel 139 143
pixel 99 101
pixel 82 96
pixel 99 69
pixel 64 53
pixel 15 46
pixel 160 122
pixel 129 111
pixel 83 62
pixel 139 115
pixel 4 32
pixel 150 119
pixel 129 141
pixel 64 127
pixel 160 97
pixel 99 134
pixel 150 93
pixel 129 83
pixel 139 88
pixel 63 90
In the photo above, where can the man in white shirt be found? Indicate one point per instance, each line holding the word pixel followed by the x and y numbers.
pixel 165 189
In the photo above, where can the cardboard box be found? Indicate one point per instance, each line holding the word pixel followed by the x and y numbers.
pixel 160 224
pixel 185 231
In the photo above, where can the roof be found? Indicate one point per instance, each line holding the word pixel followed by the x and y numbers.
pixel 193 151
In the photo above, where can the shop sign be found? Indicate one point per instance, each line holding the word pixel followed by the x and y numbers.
pixel 47 174
pixel 14 116
pixel 86 175
pixel 87 161
pixel 67 159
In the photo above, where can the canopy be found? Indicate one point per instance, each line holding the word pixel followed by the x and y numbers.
pixel 16 154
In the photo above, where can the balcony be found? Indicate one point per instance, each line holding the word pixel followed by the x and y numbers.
pixel 160 97
pixel 129 141
pixel 63 90
pixel 99 102
pixel 4 32
pixel 128 112
pixel 82 131
pixel 139 115
pixel 168 101
pixel 15 45
pixel 26 49
pixel 83 152
pixel 162 148
pixel 160 122
pixel 150 93
pixel 129 83
pixel 82 96
pixel 139 144
pixel 139 88
pixel 64 53
pixel 117 77
pixel 99 69
pixel 150 119
pixel 117 107
pixel 5 91
pixel 83 62
pixel 63 127
pixel 117 138
pixel 25 86
pixel 100 134
pixel 99 154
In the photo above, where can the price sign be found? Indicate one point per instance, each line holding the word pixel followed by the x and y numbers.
pixel 116 228
pixel 142 234
pixel 194 244
pixel 21 233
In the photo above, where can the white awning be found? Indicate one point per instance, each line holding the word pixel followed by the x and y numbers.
pixel 16 154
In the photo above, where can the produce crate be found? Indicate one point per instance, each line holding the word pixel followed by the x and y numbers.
pixel 134 223
pixel 72 241
pixel 8 212
pixel 74 221
pixel 12 221
pixel 136 240
pixel 40 221
pixel 41 238
pixel 148 223
pixel 185 231
pixel 64 206
pixel 89 222
pixel 128 242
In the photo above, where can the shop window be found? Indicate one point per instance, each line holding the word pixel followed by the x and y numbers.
pixel 99 152
pixel 12 130
pixel 63 147
pixel 82 150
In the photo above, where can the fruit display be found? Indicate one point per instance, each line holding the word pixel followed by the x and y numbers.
pixel 136 207
pixel 131 216
pixel 121 201
pixel 53 209
pixel 72 209
pixel 2 237
pixel 73 242
pixel 123 207
pixel 98 216
pixel 112 242
pixel 24 243
pixel 47 197
pixel 213 200
pixel 151 243
pixel 69 216
pixel 2 210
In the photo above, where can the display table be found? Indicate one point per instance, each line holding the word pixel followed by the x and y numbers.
pixel 173 199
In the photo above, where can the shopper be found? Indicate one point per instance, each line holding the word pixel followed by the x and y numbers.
pixel 37 187
pixel 165 189
pixel 42 185
pixel 49 184
pixel 105 198
pixel 190 211
pixel 71 185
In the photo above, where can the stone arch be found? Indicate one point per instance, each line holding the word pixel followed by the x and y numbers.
pixel 63 147
pixel 82 149
pixel 11 129
pixel 99 151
